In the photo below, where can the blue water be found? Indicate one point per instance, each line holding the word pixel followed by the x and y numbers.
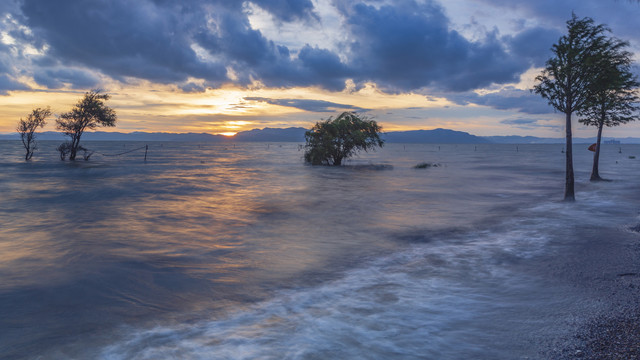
pixel 240 251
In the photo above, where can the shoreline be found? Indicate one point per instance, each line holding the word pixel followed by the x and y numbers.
pixel 609 269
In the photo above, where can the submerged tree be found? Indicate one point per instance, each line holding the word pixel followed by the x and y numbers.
pixel 27 128
pixel 333 140
pixel 613 95
pixel 89 113
pixel 567 78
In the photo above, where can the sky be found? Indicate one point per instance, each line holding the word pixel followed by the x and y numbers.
pixel 223 66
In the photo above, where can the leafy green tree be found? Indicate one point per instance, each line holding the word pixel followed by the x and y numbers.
pixel 89 113
pixel 331 141
pixel 567 78
pixel 613 95
pixel 27 128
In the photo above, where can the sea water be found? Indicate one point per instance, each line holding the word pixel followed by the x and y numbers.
pixel 241 251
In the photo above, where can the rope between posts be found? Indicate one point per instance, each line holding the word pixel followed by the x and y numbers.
pixel 126 152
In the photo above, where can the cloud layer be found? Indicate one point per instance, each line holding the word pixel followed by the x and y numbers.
pixel 308 105
pixel 402 46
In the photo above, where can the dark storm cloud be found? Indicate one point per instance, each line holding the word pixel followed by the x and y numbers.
pixel 4 67
pixel 307 105
pixel 7 84
pixel 121 38
pixel 508 98
pixel 410 45
pixel 44 79
pixel 55 79
pixel 323 67
pixel 155 41
pixel 620 15
pixel 10 55
pixel 401 47
pixel 9 7
pixel 45 61
pixel 533 44
pixel 253 57
pixel 288 10
pixel 235 40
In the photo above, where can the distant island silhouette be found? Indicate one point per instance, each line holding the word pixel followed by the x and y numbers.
pixel 296 134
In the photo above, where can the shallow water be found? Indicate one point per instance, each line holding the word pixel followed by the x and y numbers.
pixel 240 251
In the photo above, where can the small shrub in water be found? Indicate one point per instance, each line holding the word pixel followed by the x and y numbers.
pixel 86 153
pixel 64 149
pixel 425 165
pixel 331 141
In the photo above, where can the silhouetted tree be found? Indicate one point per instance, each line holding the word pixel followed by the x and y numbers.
pixel 568 76
pixel 89 113
pixel 333 140
pixel 27 129
pixel 613 95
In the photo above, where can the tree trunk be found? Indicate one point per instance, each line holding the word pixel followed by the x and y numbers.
pixel 29 153
pixel 569 192
pixel 26 141
pixel 75 143
pixel 595 176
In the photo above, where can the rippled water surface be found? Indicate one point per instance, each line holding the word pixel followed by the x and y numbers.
pixel 209 251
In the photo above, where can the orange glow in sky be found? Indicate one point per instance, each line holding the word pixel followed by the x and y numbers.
pixel 153 108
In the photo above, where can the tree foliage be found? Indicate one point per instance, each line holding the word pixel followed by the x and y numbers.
pixel 89 113
pixel 331 141
pixel 568 77
pixel 613 97
pixel 27 128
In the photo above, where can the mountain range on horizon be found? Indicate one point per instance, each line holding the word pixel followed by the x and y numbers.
pixel 296 134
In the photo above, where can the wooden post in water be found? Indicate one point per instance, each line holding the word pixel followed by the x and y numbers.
pixel 146 147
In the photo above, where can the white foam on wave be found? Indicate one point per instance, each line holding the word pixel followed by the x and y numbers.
pixel 436 300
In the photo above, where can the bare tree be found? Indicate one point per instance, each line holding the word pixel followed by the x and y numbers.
pixel 27 128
